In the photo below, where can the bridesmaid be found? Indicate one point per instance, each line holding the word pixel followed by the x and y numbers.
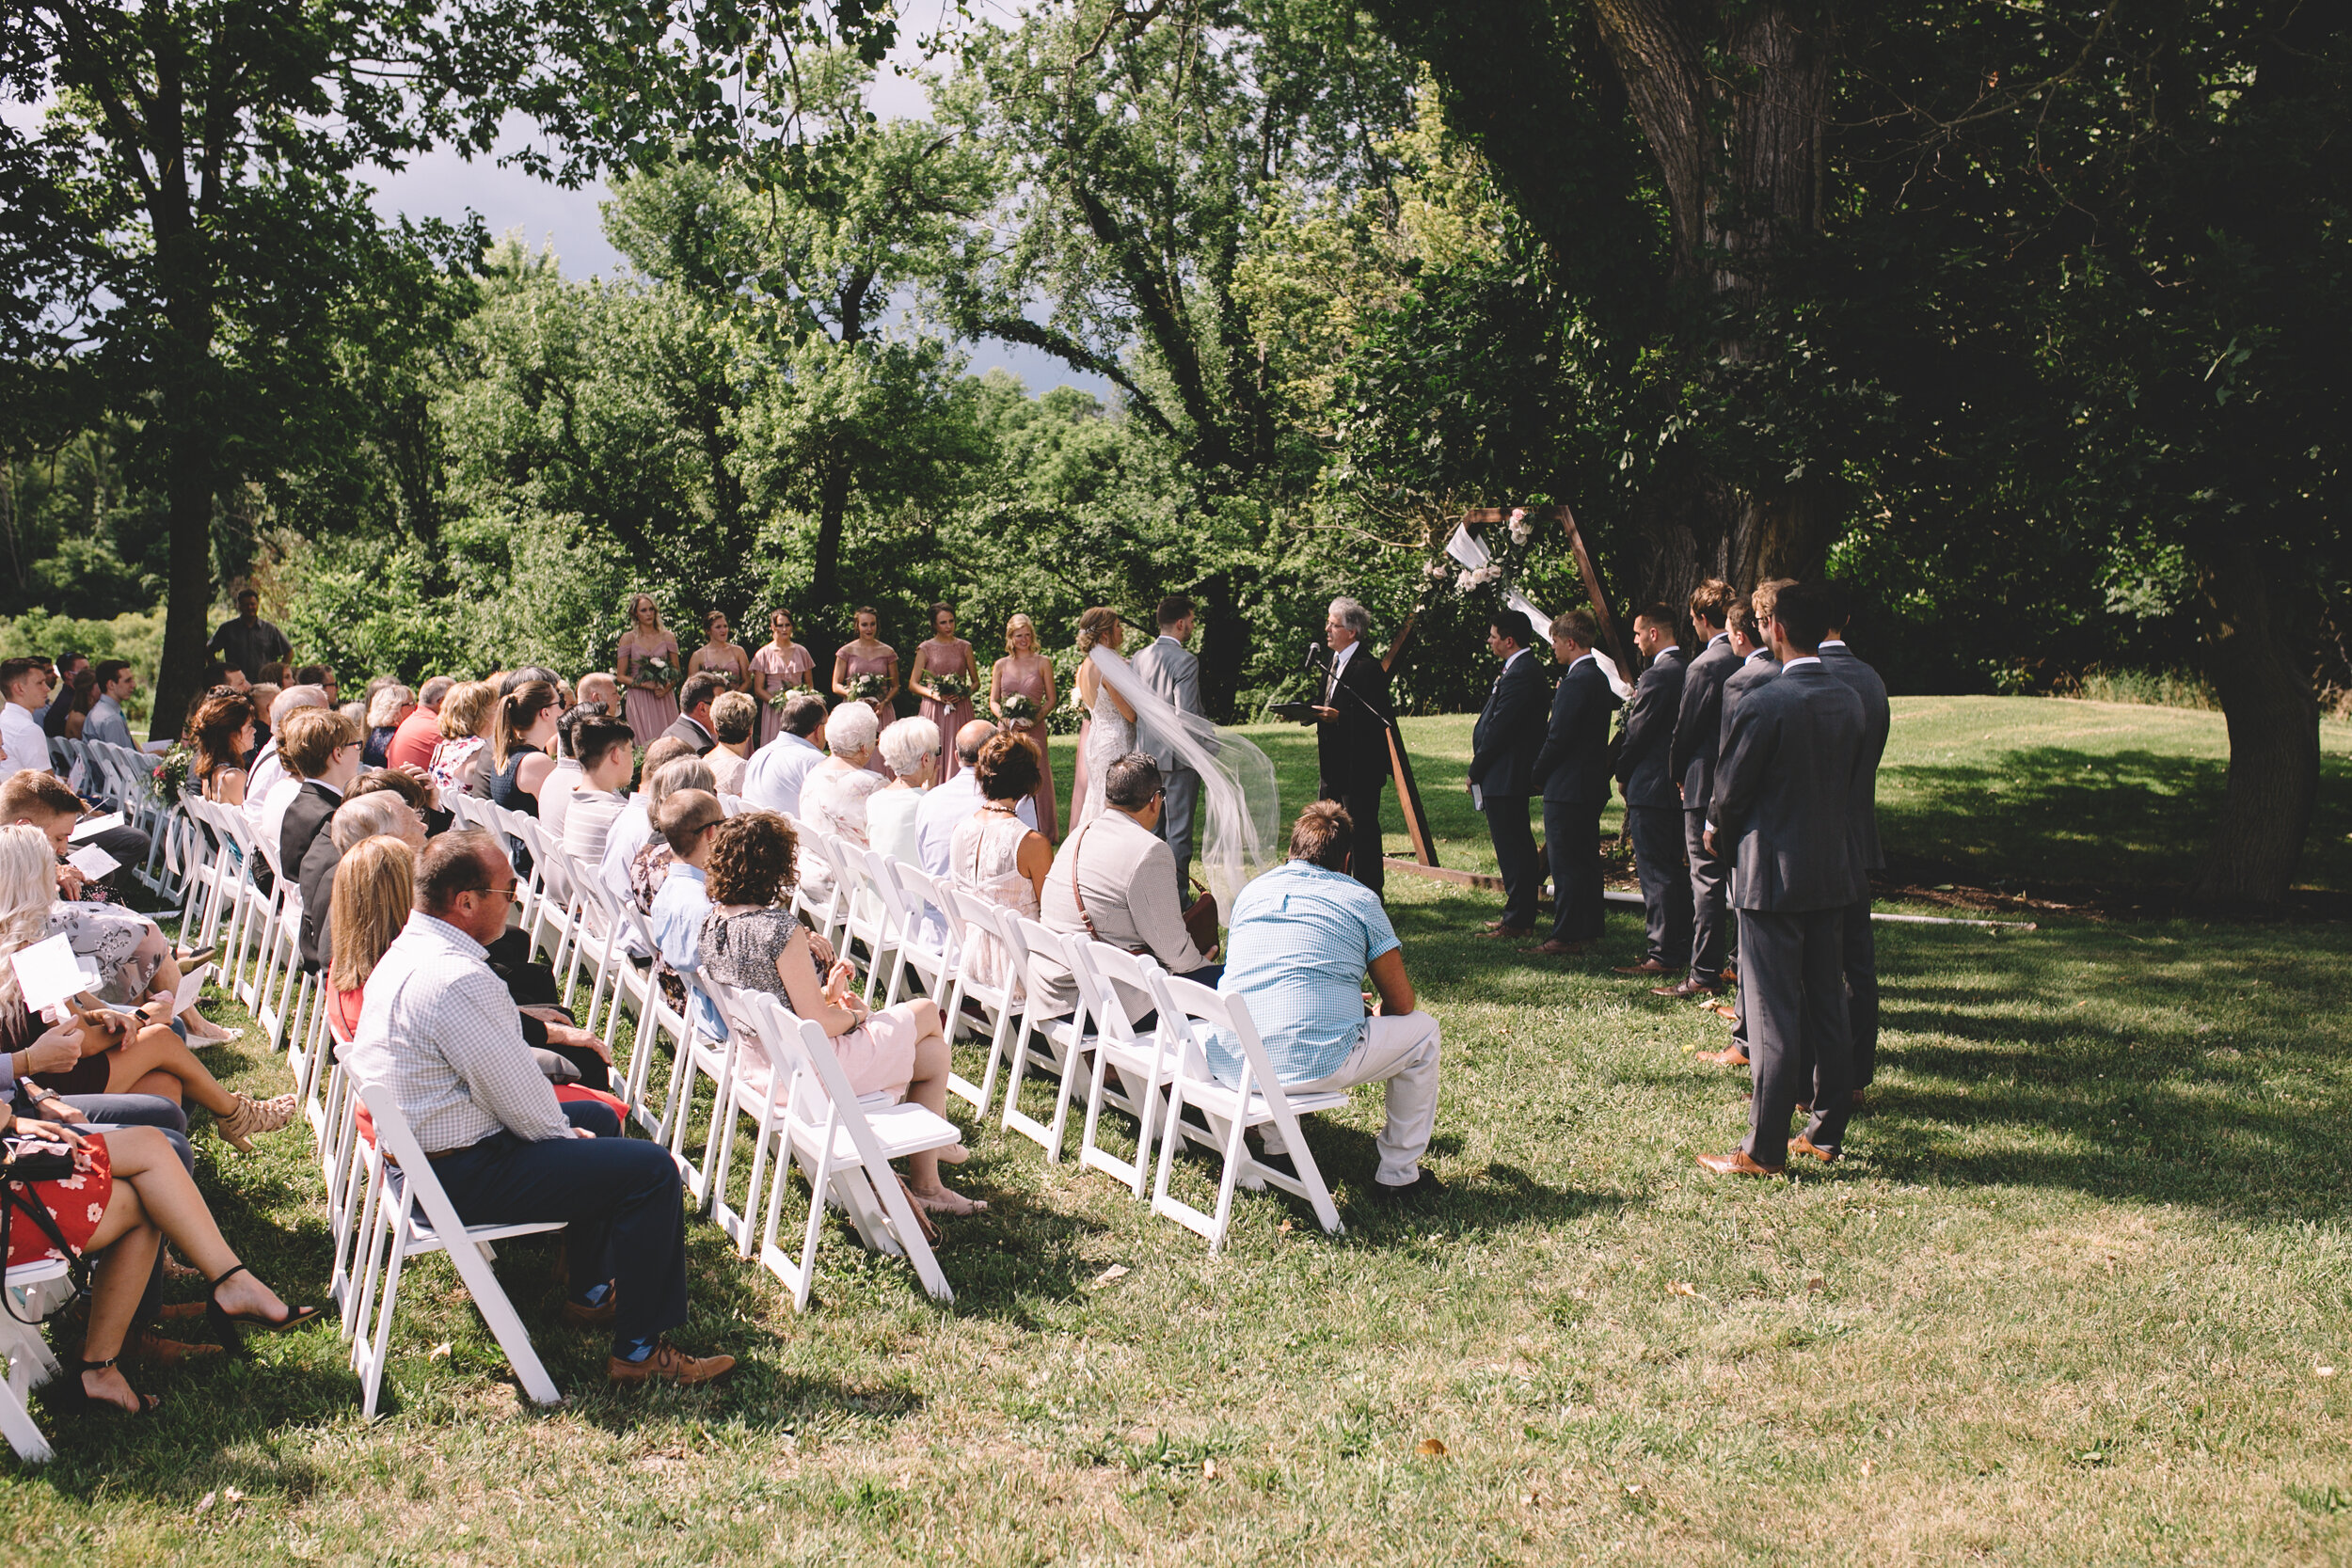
pixel 1026 673
pixel 651 707
pixel 720 654
pixel 868 655
pixel 783 665
pixel 945 653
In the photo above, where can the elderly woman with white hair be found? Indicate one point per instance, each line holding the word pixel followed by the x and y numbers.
pixel 911 747
pixel 388 704
pixel 835 795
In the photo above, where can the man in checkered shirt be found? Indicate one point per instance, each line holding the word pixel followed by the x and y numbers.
pixel 439 1027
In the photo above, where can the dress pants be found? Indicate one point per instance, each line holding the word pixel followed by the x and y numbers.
pixel 1711 907
pixel 621 1196
pixel 1515 857
pixel 1862 991
pixel 1401 1052
pixel 1793 972
pixel 1572 843
pixel 104 1111
pixel 1666 885
pixel 1366 861
pixel 1179 813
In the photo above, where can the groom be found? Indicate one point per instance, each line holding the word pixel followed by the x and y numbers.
pixel 1172 671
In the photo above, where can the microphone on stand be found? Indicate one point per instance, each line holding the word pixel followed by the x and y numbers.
pixel 1313 648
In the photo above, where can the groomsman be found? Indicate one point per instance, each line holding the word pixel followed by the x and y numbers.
pixel 1653 807
pixel 1169 669
pixel 1573 768
pixel 1352 735
pixel 1862 961
pixel 1698 726
pixel 1784 794
pixel 1757 667
pixel 1509 732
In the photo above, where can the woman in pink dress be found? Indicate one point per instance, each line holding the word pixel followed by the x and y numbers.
pixel 945 653
pixel 868 655
pixel 781 666
pixel 1025 672
pixel 720 655
pixel 651 707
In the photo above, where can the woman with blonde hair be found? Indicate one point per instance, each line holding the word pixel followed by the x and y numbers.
pixel 650 687
pixel 1110 729
pixel 781 665
pixel 461 762
pixel 1028 674
pixel 388 704
pixel 376 886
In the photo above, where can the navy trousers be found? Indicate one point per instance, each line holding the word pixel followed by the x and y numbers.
pixel 622 1197
pixel 1572 842
pixel 1515 857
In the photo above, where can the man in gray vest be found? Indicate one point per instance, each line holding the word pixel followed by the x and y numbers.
pixel 1784 794
pixel 1169 669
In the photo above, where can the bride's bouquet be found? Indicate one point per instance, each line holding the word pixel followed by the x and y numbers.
pixel 951 689
pixel 867 688
pixel 1018 709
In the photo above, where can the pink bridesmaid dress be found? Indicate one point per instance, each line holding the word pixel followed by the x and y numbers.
pixel 1032 686
pixel 873 664
pixel 784 670
pixel 650 712
pixel 937 658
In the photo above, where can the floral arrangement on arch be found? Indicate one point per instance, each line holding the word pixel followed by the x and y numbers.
pixel 1479 556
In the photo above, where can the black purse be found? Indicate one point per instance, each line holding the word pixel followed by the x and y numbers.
pixel 27 1160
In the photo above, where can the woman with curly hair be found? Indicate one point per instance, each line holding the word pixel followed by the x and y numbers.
pixel 220 732
pixel 750 941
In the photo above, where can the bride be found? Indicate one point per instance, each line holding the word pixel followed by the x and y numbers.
pixel 1237 790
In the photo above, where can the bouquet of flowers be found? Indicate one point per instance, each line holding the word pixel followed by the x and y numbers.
pixel 1020 709
pixel 661 675
pixel 867 688
pixel 951 689
pixel 171 774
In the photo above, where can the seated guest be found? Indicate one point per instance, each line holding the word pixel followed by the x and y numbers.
pixel 321 750
pixel 322 677
pixel 38 798
pixel 634 826
pixel 734 721
pixel 600 689
pixel 372 808
pixel 750 941
pixel 266 786
pixel 66 715
pixel 774 778
pixel 949 802
pixel 117 1052
pixel 996 855
pixel 219 735
pixel 413 742
pixel 106 721
pixel 911 747
pixel 1115 880
pixel 388 706
pixel 522 747
pixel 685 818
pixel 24 684
pixel 564 779
pixel 603 748
pixel 439 1031
pixel 1302 939
pixel 651 865
pixel 692 725
pixel 461 760
pixel 834 795
pixel 265 698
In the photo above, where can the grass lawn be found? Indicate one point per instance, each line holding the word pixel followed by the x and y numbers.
pixel 2072 1299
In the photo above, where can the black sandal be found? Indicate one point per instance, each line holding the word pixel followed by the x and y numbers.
pixel 225 1324
pixel 89 1402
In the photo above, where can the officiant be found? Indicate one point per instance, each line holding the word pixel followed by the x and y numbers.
pixel 1352 716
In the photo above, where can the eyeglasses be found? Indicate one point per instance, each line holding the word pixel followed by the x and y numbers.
pixel 506 892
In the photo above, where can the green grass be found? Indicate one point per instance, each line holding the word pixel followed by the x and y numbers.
pixel 2067 1302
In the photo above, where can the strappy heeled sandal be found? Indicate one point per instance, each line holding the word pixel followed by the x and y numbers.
pixel 89 1402
pixel 227 1325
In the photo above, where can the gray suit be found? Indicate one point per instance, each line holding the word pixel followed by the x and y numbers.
pixel 1784 798
pixel 1653 807
pixel 1760 666
pixel 1169 668
pixel 1862 958
pixel 1699 734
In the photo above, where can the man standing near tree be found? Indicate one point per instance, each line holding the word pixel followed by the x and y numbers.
pixel 1862 961
pixel 248 641
pixel 1653 807
pixel 1169 669
pixel 1504 746
pixel 1690 760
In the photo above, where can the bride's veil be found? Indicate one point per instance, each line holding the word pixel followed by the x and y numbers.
pixel 1240 809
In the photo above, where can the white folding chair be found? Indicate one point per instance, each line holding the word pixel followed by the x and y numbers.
pixel 1132 1068
pixel 844 1146
pixel 754 1089
pixel 1059 1043
pixel 895 927
pixel 34 1288
pixel 1184 1008
pixel 866 921
pixel 977 929
pixel 829 912
pixel 399 1232
pixel 923 947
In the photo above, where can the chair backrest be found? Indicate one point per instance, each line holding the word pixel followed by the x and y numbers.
pixel 1192 1008
pixel 394 1137
pixel 1101 969
pixel 919 893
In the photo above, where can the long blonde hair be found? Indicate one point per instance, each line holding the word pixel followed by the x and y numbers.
pixel 375 882
pixel 1018 621
pixel 1096 625
pixel 657 612
pixel 28 881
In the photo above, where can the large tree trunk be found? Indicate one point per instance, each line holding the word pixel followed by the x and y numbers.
pixel 2274 735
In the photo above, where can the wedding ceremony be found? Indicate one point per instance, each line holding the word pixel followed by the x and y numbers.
pixel 876 781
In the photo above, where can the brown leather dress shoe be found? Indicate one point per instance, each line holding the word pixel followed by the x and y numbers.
pixel 1803 1145
pixel 670 1365
pixel 1736 1163
pixel 1682 990
pixel 1562 949
pixel 1730 1055
pixel 1648 966
pixel 1497 928
pixel 154 1348
pixel 580 1315
pixel 1724 1010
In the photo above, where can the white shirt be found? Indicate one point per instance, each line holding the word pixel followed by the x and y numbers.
pixel 630 831
pixel 555 793
pixel 266 773
pixel 1833 641
pixel 269 825
pixel 21 737
pixel 1802 659
pixel 1339 663
pixel 771 780
pixel 943 812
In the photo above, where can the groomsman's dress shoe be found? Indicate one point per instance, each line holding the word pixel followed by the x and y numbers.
pixel 1559 949
pixel 1725 1011
pixel 1648 966
pixel 1803 1145
pixel 1497 928
pixel 1682 990
pixel 1423 1185
pixel 1737 1163
pixel 1730 1055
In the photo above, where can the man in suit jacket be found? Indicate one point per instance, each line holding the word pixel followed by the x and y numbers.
pixel 1862 959
pixel 321 750
pixel 1509 734
pixel 116 682
pixel 1169 669
pixel 1784 794
pixel 692 725
pixel 1757 666
pixel 1691 759
pixel 1574 769
pixel 1111 883
pixel 1653 807
pixel 1352 716
pixel 370 806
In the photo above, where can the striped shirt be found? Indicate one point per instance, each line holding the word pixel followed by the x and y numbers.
pixel 439 1028
pixel 1300 941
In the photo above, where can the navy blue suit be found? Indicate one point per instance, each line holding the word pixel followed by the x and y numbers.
pixel 1509 734
pixel 1574 769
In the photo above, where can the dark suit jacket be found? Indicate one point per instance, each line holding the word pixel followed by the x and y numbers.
pixel 1351 751
pixel 1699 723
pixel 1784 791
pixel 1877 720
pixel 1510 731
pixel 1644 766
pixel 307 816
pixel 1573 766
pixel 692 733
pixel 318 891
pixel 1736 685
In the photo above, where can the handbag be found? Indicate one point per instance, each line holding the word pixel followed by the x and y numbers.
pixel 1200 918
pixel 27 1160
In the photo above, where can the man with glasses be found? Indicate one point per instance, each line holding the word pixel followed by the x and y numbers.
pixel 439 1032
pixel 320 749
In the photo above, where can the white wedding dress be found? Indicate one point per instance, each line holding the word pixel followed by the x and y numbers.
pixel 1110 736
